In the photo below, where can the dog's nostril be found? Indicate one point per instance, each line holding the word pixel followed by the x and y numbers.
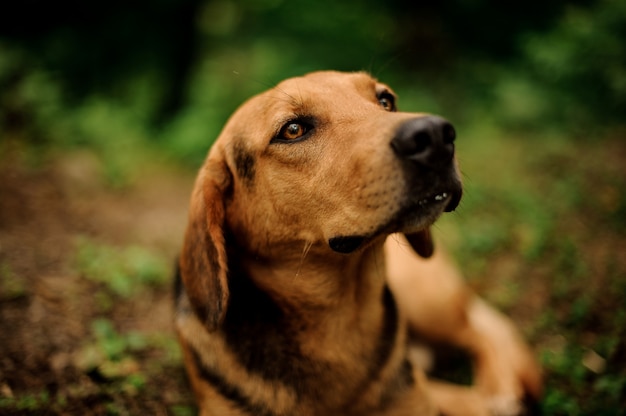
pixel 421 142
pixel 449 134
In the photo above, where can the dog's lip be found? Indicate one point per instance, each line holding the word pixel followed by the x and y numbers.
pixel 435 199
pixel 455 200
pixel 427 210
pixel 450 198
pixel 423 211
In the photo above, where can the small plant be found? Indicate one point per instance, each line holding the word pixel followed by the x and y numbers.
pixel 110 356
pixel 27 403
pixel 123 271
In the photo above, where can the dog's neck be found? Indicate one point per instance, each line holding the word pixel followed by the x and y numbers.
pixel 310 311
pixel 318 277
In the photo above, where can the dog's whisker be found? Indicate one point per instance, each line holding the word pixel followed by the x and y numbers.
pixel 292 100
pixel 305 251
pixel 379 263
pixel 264 84
pixel 288 99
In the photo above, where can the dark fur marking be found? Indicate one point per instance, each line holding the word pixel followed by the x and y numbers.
pixel 232 393
pixel 263 336
pixel 402 380
pixel 388 333
pixel 244 163
pixel 386 344
pixel 204 265
pixel 181 307
pixel 387 338
pixel 178 282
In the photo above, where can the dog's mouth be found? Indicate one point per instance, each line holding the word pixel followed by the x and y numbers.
pixel 414 216
pixel 449 198
pixel 420 212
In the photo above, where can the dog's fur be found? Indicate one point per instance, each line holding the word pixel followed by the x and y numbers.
pixel 299 286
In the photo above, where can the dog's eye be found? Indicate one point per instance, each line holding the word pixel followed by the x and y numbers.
pixel 387 101
pixel 293 131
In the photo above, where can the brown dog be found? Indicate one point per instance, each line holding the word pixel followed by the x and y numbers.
pixel 295 300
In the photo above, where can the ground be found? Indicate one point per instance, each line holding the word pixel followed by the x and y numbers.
pixel 72 342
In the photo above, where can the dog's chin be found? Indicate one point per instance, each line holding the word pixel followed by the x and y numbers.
pixel 415 216
pixel 423 212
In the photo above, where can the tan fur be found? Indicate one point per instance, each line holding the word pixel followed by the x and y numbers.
pixel 265 212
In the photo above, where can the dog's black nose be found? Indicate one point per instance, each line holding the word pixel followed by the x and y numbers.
pixel 428 141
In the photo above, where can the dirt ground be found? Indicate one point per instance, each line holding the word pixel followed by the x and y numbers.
pixel 48 308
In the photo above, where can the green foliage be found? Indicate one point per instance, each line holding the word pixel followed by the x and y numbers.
pixel 584 51
pixel 574 389
pixel 113 344
pixel 112 356
pixel 122 271
pixel 27 402
pixel 571 77
pixel 181 410
pixel 568 70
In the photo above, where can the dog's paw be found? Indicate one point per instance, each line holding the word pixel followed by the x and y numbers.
pixel 507 405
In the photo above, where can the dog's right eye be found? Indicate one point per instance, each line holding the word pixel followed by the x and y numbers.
pixel 387 101
pixel 293 131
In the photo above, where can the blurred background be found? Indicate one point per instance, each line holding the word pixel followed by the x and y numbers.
pixel 108 108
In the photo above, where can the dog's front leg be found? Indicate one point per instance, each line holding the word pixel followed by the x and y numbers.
pixel 439 306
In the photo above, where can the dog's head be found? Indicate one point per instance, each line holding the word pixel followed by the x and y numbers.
pixel 324 160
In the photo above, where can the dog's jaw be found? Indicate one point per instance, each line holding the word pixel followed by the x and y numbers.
pixel 415 216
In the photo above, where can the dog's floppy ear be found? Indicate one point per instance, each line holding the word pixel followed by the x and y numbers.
pixel 203 262
pixel 422 242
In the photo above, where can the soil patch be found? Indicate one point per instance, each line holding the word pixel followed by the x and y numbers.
pixel 58 353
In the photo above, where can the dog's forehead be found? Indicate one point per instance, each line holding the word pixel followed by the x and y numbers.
pixel 315 94
pixel 298 92
pixel 329 81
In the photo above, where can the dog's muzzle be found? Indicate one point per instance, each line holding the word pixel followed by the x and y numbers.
pixel 425 147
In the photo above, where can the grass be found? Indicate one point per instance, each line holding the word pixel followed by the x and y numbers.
pixel 122 271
